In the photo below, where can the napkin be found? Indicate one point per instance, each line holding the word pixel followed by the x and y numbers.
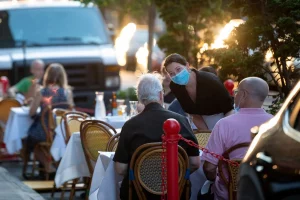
pixel 206 186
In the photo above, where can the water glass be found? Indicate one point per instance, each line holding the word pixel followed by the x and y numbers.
pixel 133 108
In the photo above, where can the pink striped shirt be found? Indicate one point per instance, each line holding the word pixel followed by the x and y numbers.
pixel 228 132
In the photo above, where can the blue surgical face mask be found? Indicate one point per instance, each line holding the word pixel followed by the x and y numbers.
pixel 237 107
pixel 182 78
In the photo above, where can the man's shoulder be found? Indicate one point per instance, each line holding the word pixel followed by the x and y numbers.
pixel 27 78
pixel 174 115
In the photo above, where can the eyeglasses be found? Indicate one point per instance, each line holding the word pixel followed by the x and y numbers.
pixel 235 91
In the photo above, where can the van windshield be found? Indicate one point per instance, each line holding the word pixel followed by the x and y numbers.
pixel 52 26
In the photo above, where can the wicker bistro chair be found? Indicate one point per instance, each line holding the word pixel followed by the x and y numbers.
pixel 202 136
pixel 113 143
pixel 72 121
pixel 5 107
pixel 232 180
pixel 94 135
pixel 145 171
pixel 41 151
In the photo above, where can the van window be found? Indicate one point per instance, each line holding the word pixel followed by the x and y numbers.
pixel 52 26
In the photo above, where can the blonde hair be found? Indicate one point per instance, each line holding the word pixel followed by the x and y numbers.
pixel 55 74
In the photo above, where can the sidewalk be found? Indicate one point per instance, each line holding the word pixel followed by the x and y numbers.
pixel 15 170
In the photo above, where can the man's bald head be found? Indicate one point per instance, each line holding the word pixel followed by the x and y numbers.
pixel 37 68
pixel 256 91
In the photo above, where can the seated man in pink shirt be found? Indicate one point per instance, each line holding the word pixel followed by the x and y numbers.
pixel 235 129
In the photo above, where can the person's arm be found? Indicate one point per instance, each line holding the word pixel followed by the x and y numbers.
pixel 199 122
pixel 210 170
pixel 35 103
pixel 121 157
pixel 12 91
pixel 216 144
pixel 121 168
pixel 70 99
pixel 194 163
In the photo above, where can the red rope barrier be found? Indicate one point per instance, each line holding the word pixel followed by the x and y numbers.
pixel 170 151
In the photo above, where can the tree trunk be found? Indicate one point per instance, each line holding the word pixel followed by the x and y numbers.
pixel 286 77
pixel 151 26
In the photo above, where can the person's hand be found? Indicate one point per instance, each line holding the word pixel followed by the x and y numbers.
pixel 28 101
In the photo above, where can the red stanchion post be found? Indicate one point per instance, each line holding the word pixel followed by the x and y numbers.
pixel 171 128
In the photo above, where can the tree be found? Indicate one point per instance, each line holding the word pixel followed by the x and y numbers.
pixel 185 21
pixel 272 26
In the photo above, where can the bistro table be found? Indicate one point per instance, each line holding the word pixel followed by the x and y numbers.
pixel 19 122
pixel 106 182
pixel 16 128
pixel 73 164
pixel 58 147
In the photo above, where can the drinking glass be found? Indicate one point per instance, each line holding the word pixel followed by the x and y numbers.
pixel 133 108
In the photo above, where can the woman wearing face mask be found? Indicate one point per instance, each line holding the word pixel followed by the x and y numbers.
pixel 200 94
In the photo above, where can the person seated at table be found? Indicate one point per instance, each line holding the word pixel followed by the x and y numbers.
pixel 27 85
pixel 55 90
pixel 235 129
pixel 146 127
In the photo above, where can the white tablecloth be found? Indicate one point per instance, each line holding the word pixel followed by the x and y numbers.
pixel 58 147
pixel 16 128
pixel 73 164
pixel 105 181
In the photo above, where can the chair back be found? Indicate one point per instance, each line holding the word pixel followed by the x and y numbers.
pixel 58 113
pixel 5 106
pixel 202 137
pixel 94 135
pixel 233 171
pixel 113 143
pixel 72 121
pixel 48 121
pixel 145 170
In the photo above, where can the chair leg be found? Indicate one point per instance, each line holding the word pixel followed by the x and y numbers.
pixel 63 191
pixel 53 190
pixel 33 164
pixel 25 156
pixel 25 165
pixel 75 181
pixel 88 189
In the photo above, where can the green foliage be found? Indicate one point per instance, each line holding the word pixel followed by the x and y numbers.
pixel 274 108
pixel 122 94
pixel 184 20
pixel 129 93
pixel 270 25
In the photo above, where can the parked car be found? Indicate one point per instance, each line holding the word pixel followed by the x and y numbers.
pixel 70 33
pixel 138 40
pixel 271 167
